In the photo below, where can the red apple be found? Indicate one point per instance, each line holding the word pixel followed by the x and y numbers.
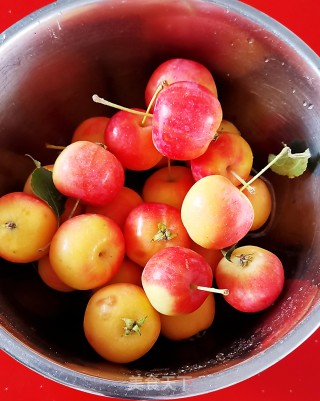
pixel 229 155
pixel 254 277
pixel 185 120
pixel 130 140
pixel 179 69
pixel 87 171
pixel 151 227
pixel 119 208
pixel 170 278
pixel 168 185
pixel 91 129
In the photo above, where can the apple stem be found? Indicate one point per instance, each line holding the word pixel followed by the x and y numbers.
pixel 9 224
pixel 163 233
pixel 267 227
pixel 159 88
pixel 283 152
pixel 100 100
pixel 242 181
pixel 44 248
pixel 58 147
pixel 36 162
pixel 74 209
pixel 209 289
pixel 169 170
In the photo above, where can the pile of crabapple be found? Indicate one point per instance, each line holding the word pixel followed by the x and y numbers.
pixel 150 258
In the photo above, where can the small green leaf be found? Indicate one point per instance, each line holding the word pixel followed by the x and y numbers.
pixel 43 186
pixel 227 252
pixel 290 164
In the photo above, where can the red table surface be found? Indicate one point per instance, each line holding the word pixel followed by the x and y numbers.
pixel 295 377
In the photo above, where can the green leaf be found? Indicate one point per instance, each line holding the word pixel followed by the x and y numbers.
pixel 227 252
pixel 43 186
pixel 290 164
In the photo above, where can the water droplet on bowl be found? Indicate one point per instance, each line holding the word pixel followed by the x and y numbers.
pixel 220 357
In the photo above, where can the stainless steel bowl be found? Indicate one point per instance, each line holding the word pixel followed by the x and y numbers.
pixel 51 63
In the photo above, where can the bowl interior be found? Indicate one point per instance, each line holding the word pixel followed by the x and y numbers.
pixel 52 63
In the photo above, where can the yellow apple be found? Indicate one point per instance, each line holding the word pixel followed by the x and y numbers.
pixel 87 251
pixel 27 225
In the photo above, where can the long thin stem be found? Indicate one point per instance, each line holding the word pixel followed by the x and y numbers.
pixel 267 227
pixel 74 209
pixel 242 181
pixel 57 147
pixel 169 170
pixel 100 100
pixel 159 88
pixel 283 152
pixel 209 289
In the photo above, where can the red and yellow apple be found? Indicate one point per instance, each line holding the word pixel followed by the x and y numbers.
pixel 229 155
pixel 254 277
pixel 170 279
pixel 215 213
pixel 87 171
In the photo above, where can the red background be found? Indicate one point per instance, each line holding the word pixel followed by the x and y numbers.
pixel 294 378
